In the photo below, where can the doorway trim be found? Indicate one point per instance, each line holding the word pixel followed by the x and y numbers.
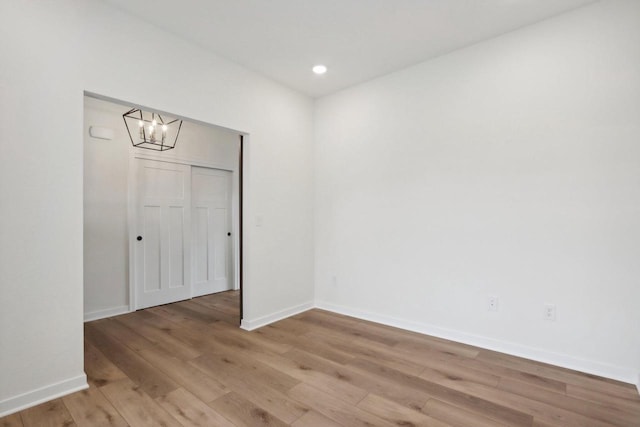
pixel 240 225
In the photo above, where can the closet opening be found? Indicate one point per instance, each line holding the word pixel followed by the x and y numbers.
pixel 161 227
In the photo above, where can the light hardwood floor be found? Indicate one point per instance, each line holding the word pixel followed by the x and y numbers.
pixel 188 364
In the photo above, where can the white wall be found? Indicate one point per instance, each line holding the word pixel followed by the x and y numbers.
pixel 510 168
pixel 41 207
pixel 105 232
pixel 51 53
pixel 106 163
pixel 193 83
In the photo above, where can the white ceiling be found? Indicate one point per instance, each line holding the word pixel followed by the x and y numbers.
pixel 357 39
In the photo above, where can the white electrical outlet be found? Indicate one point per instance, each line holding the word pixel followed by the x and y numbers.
pixel 493 303
pixel 550 312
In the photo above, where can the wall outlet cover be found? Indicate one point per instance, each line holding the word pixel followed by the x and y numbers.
pixel 493 303
pixel 550 312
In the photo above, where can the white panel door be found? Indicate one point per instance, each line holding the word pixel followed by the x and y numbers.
pixel 162 267
pixel 211 207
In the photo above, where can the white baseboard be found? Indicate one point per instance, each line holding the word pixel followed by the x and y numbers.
pixel 250 325
pixel 627 375
pixel 43 394
pixel 109 312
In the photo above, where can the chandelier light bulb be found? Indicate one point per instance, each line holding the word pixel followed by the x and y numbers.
pixel 154 122
pixel 140 123
pixel 164 128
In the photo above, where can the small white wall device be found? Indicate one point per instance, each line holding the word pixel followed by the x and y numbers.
pixel 101 133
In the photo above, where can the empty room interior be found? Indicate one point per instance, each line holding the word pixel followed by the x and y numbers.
pixel 320 213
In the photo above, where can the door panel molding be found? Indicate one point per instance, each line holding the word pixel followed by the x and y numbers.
pixel 160 232
pixel 212 193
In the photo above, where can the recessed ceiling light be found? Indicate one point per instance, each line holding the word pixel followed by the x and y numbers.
pixel 319 69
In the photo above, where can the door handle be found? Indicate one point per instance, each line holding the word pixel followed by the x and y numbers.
pixel 139 238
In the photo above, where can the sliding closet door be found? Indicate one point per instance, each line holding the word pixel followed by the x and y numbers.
pixel 162 228
pixel 211 209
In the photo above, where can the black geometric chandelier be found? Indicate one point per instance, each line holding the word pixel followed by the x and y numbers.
pixel 151 130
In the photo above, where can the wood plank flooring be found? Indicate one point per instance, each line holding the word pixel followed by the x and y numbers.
pixel 188 364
